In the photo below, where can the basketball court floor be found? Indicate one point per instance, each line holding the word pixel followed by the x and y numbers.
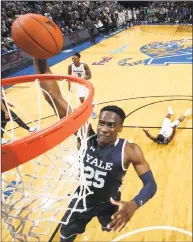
pixel 143 70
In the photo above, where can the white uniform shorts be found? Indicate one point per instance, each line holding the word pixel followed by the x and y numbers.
pixel 82 91
pixel 167 125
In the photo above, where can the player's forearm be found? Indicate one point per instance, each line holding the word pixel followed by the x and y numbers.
pixel 148 191
pixel 41 66
pixel 87 77
pixel 150 136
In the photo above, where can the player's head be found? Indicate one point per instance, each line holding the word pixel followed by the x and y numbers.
pixel 76 58
pixel 110 123
pixel 160 138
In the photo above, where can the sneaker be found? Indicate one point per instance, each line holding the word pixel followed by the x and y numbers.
pixel 188 112
pixel 4 141
pixel 32 129
pixel 170 111
pixel 94 115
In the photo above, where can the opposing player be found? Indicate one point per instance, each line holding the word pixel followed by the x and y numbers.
pixel 106 161
pixel 5 118
pixel 81 70
pixel 168 129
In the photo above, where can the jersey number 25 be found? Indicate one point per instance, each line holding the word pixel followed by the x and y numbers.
pixel 94 178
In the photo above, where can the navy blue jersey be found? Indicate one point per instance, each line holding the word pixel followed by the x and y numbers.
pixel 103 169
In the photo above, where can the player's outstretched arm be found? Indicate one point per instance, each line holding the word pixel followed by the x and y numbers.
pixel 146 131
pixel 51 86
pixel 134 155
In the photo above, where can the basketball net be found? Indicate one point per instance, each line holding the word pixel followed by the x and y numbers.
pixel 37 193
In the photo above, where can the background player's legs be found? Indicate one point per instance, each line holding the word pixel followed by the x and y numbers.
pixel 181 119
pixel 93 104
pixel 170 112
pixel 81 99
pixel 54 91
pixel 167 122
pixel 81 91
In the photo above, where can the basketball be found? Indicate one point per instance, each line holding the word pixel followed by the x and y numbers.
pixel 37 35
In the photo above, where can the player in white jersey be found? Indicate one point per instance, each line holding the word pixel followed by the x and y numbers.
pixel 81 70
pixel 168 128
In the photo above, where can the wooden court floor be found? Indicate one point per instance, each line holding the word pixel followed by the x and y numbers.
pixel 125 73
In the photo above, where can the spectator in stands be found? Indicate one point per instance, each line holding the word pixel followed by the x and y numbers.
pixel 4 50
pixel 105 22
pixel 90 25
pixel 66 14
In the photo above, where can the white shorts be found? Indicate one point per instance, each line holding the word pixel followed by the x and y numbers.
pixel 167 125
pixel 82 91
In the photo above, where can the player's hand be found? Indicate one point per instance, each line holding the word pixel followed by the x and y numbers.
pixel 146 130
pixel 123 215
pixel 7 116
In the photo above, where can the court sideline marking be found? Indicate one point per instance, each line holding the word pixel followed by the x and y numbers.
pixel 151 228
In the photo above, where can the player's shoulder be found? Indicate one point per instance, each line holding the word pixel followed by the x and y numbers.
pixel 70 65
pixel 132 148
pixel 85 65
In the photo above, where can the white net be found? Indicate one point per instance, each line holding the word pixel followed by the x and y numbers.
pixel 36 195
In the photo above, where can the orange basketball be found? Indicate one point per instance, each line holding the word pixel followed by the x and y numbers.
pixel 37 35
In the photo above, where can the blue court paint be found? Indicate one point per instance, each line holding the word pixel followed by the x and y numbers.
pixel 164 53
pixel 170 52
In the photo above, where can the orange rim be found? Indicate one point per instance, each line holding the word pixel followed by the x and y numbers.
pixel 27 148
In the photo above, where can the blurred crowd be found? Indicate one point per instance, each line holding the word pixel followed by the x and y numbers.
pixel 103 15
pixel 179 12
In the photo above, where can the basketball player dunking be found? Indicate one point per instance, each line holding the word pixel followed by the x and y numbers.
pixel 106 161
pixel 81 70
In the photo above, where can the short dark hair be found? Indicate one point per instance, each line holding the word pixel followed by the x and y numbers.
pixel 160 138
pixel 119 111
pixel 77 54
